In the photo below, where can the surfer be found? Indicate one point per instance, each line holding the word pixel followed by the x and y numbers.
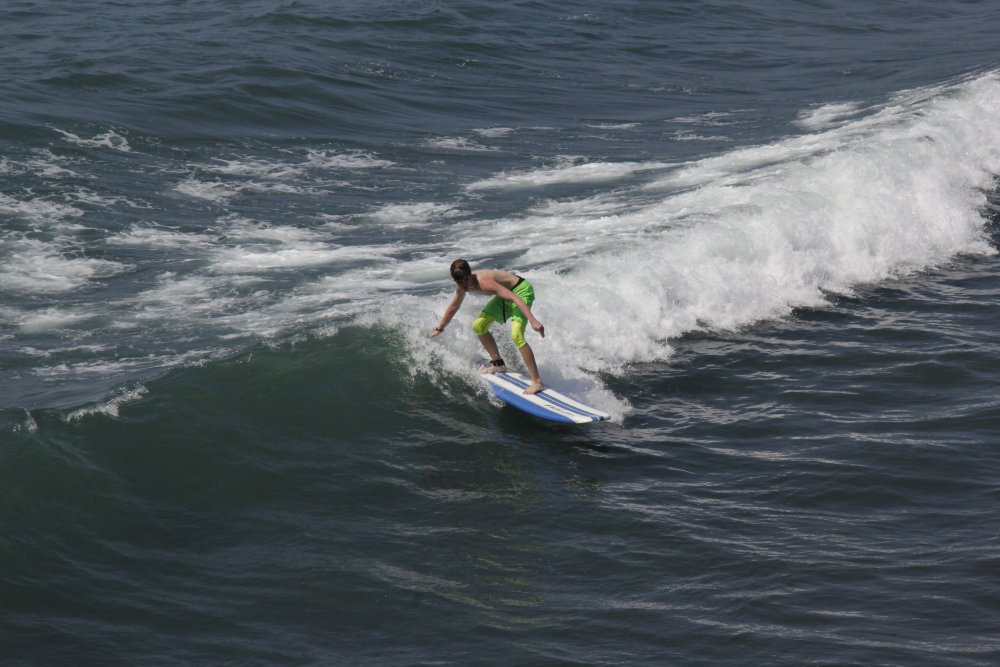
pixel 512 299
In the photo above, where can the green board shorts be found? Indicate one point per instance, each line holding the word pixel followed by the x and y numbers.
pixel 500 310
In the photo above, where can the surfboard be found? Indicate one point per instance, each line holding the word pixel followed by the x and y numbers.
pixel 548 404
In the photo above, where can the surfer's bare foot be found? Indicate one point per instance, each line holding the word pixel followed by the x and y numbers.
pixel 495 366
pixel 535 388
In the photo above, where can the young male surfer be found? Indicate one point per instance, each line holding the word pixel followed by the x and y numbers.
pixel 512 298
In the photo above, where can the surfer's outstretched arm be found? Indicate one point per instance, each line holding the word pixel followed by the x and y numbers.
pixel 449 312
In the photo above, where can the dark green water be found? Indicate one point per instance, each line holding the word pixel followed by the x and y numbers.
pixel 762 237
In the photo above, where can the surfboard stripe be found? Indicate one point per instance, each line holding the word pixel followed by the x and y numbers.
pixel 560 400
pixel 548 404
pixel 545 411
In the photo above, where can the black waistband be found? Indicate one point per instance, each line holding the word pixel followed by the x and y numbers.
pixel 519 281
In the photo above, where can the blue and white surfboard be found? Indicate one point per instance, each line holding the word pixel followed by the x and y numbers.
pixel 548 404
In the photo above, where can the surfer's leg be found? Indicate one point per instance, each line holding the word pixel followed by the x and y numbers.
pixel 517 333
pixel 481 327
pixel 496 361
pixel 529 361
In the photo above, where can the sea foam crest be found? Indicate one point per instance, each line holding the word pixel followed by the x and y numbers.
pixel 109 139
pixel 38 210
pixel 227 177
pixel 17 420
pixel 37 267
pixel 346 160
pixel 417 214
pixel 827 115
pixel 591 172
pixel 110 407
pixel 743 236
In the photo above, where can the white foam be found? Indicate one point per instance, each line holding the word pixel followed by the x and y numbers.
pixel 494 132
pixel 245 229
pixel 591 172
pixel 37 267
pixel 193 297
pixel 242 260
pixel 220 191
pixel 413 215
pixel 350 160
pixel 826 115
pixel 224 178
pixel 214 191
pixel 31 351
pixel 50 319
pixel 687 135
pixel 614 126
pixel 109 139
pixel 111 407
pixel 270 175
pixel 458 144
pixel 91 198
pixel 38 210
pixel 152 235
pixel 254 167
pixel 45 163
pixel 17 420
pixel 709 119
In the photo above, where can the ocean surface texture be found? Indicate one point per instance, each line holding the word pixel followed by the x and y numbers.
pixel 763 237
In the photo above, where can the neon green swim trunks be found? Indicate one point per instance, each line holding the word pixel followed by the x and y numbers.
pixel 498 310
pixel 501 310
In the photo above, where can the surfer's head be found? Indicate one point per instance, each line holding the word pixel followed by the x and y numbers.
pixel 460 272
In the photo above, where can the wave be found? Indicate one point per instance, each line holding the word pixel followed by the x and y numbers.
pixel 737 238
pixel 625 256
pixel 315 383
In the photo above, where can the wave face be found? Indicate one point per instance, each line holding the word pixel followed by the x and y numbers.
pixel 763 236
pixel 116 277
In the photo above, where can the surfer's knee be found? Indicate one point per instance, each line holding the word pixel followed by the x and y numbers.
pixel 517 333
pixel 481 324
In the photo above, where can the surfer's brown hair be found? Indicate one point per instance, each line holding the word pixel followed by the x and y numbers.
pixel 460 270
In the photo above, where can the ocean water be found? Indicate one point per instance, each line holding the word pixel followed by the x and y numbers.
pixel 763 237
